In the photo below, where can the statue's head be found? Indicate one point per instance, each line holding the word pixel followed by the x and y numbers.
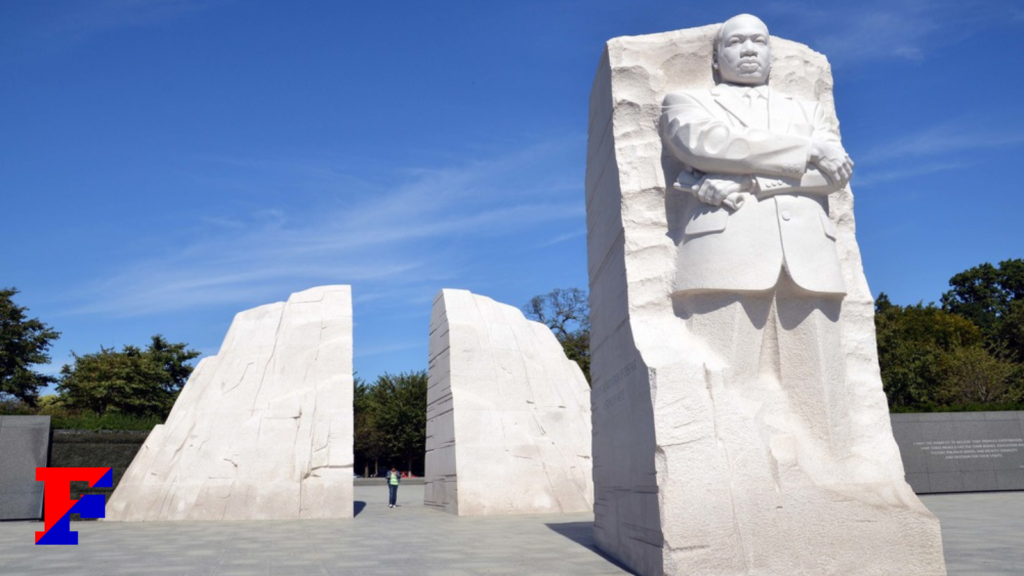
pixel 742 55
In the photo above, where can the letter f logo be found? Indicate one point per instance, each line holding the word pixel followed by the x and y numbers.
pixel 60 506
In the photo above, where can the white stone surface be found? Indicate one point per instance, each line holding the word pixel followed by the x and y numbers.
pixel 693 473
pixel 508 415
pixel 262 430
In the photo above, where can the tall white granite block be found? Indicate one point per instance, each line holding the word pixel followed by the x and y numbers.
pixel 508 415
pixel 695 472
pixel 262 430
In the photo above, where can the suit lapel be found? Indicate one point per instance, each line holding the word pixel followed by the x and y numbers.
pixel 779 109
pixel 734 105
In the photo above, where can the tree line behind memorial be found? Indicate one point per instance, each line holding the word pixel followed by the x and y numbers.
pixel 965 352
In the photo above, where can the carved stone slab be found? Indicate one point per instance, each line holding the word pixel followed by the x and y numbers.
pixel 262 430
pixel 690 477
pixel 962 451
pixel 508 415
pixel 24 446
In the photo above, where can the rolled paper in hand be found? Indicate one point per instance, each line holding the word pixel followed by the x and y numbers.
pixel 735 200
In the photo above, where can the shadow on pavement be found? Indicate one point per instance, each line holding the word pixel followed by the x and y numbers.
pixel 359 507
pixel 582 533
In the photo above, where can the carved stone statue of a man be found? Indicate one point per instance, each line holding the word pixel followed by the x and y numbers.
pixel 758 278
pixel 739 421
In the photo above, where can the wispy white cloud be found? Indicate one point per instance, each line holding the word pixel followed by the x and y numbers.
pixel 956 144
pixel 56 25
pixel 89 18
pixel 967 133
pixel 386 238
pixel 868 178
pixel 562 238
pixel 888 29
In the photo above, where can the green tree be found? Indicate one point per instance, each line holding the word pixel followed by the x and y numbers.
pixel 398 408
pixel 990 296
pixel 135 381
pixel 972 375
pixel 174 359
pixel 912 344
pixel 24 343
pixel 566 311
pixel 1011 332
pixel 931 358
pixel 368 439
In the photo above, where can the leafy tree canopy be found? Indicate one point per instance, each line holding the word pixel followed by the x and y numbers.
pixel 391 418
pixel 24 343
pixel 993 298
pixel 932 358
pixel 135 381
pixel 566 311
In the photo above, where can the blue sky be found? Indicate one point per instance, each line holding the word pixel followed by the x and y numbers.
pixel 165 164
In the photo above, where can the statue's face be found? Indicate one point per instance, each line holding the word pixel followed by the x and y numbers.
pixel 743 53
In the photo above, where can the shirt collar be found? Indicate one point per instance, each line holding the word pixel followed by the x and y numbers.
pixel 741 91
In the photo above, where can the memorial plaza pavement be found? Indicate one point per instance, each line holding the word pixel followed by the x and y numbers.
pixel 982 534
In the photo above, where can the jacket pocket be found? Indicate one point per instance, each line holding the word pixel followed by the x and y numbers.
pixel 706 219
pixel 827 226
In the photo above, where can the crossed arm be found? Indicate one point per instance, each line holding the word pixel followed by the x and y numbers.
pixel 729 161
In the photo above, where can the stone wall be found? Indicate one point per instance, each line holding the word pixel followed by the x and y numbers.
pixel 962 451
pixel 508 415
pixel 262 430
pixel 24 446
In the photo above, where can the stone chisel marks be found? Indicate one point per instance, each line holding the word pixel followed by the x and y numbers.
pixel 262 430
pixel 508 415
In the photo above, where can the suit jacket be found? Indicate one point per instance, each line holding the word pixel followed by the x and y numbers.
pixel 786 224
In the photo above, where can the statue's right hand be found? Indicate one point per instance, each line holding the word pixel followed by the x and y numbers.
pixel 713 190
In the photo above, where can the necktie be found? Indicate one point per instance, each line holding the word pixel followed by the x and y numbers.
pixel 758 106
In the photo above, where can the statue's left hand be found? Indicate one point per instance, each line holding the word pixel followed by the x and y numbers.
pixel 832 160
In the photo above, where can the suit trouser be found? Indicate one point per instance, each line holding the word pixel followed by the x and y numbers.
pixel 781 345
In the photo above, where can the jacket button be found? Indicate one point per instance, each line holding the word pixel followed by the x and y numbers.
pixel 786 215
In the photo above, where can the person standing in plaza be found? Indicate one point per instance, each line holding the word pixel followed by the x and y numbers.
pixel 393 478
